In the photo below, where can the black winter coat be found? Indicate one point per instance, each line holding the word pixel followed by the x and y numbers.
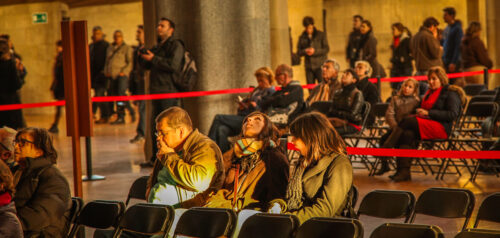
pixel 370 94
pixel 447 107
pixel 42 199
pixel 348 104
pixel 10 82
pixel 97 54
pixel 293 92
pixel 10 227
pixel 368 52
pixel 352 49
pixel 320 44
pixel 401 58
pixel 165 66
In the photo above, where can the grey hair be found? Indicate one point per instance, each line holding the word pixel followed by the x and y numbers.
pixel 7 136
pixel 335 64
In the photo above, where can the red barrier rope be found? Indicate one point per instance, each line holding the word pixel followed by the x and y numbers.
pixel 213 92
pixel 454 154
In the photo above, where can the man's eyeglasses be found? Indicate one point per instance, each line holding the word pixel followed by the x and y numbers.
pixel 160 133
pixel 22 141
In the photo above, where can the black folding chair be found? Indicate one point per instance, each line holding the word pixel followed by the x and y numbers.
pixel 478 233
pixel 352 199
pixel 474 89
pixel 354 139
pixel 76 207
pixel 488 92
pixel 389 204
pixel 319 227
pixel 489 209
pixel 138 189
pixel 482 98
pixel 146 219
pixel 398 230
pixel 99 214
pixel 446 203
pixel 265 225
pixel 206 222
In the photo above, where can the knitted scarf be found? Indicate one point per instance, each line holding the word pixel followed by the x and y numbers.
pixel 247 152
pixel 294 189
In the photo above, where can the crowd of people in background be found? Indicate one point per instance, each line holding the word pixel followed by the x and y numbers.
pixel 240 164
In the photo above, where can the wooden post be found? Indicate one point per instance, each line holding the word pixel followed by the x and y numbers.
pixel 77 91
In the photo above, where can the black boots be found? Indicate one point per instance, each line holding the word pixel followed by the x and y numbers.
pixel 384 167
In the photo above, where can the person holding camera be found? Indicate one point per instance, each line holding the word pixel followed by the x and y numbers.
pixel 11 80
pixel 165 62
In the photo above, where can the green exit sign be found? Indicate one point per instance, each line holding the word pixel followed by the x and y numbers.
pixel 39 17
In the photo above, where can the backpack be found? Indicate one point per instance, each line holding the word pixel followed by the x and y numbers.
pixel 188 76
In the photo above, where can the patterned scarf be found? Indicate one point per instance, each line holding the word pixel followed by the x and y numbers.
pixel 294 189
pixel 323 94
pixel 247 152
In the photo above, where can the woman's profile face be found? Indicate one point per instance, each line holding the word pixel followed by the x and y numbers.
pixel 347 79
pixel 253 125
pixel 364 28
pixel 434 82
pixel 300 145
pixel 24 147
pixel 262 81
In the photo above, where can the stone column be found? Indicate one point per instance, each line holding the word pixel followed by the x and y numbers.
pixel 229 41
pixel 280 37
pixel 493 38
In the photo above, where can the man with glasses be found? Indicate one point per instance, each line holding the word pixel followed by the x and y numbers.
pixel 188 164
pixel 7 147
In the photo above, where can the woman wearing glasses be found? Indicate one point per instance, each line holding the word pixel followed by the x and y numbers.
pixel 42 195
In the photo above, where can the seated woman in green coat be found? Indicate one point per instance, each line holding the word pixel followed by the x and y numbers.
pixel 320 183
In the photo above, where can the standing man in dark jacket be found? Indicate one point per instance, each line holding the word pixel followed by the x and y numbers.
pixel 99 82
pixel 11 81
pixel 452 38
pixel 165 62
pixel 313 45
pixel 425 47
pixel 42 197
pixel 352 49
pixel 137 86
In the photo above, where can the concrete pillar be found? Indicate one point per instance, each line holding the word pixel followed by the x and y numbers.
pixel 280 37
pixel 493 37
pixel 228 39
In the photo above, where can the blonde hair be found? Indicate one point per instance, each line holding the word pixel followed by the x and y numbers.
pixel 415 84
pixel 267 72
pixel 369 69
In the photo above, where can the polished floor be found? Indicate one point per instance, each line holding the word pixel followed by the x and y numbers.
pixel 117 159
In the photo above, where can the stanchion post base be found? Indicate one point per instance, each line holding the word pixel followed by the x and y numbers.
pixel 93 177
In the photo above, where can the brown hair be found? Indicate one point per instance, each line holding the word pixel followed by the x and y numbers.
pixel 284 69
pixel 473 28
pixel 415 84
pixel 6 179
pixel 176 117
pixel 269 131
pixel 440 73
pixel 318 135
pixel 41 140
pixel 267 72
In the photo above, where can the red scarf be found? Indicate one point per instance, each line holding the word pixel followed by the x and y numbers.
pixel 5 199
pixel 430 98
pixel 396 41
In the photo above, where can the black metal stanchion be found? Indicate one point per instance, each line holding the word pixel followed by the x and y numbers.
pixel 88 151
pixel 486 78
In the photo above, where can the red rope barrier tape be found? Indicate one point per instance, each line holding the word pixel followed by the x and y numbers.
pixel 454 154
pixel 213 92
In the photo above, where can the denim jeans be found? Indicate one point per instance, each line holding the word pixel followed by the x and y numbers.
pixel 224 126
pixel 119 86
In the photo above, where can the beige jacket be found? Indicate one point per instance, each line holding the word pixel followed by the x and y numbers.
pixel 119 62
pixel 325 187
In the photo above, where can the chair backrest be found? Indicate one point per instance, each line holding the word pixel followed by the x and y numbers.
pixel 76 207
pixel 446 203
pixel 482 98
pixel 488 92
pixel 380 108
pixel 489 209
pixel 99 214
pixel 138 189
pixel 397 230
pixel 321 106
pixel 478 233
pixel 388 204
pixel 146 219
pixel 352 199
pixel 265 225
pixel 318 227
pixel 482 109
pixel 474 89
pixel 366 113
pixel 206 222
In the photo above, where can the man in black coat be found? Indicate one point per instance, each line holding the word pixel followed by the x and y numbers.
pixel 11 80
pixel 352 49
pixel 99 82
pixel 165 62
pixel 313 45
